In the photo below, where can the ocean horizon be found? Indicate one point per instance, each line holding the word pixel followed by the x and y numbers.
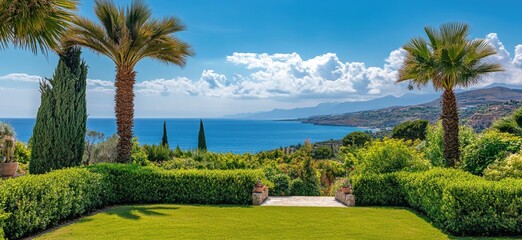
pixel 222 135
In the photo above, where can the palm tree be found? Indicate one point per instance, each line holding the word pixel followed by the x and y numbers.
pixel 127 35
pixel 35 24
pixel 448 59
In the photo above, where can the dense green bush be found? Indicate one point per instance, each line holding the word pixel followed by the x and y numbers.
pixel 138 154
pixel 356 139
pixel 377 190
pixel 511 167
pixel 323 152
pixel 433 147
pixel 134 184
pixel 35 202
pixel 22 154
pixel 488 148
pixel 389 155
pixel 104 151
pixel 281 185
pixel 411 130
pixel 456 201
pixel 158 153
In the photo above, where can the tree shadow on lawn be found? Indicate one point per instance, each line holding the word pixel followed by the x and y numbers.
pixel 428 220
pixel 133 212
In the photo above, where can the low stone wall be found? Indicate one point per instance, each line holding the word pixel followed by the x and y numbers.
pixel 259 198
pixel 346 199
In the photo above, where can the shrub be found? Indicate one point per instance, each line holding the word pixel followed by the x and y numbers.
pixel 138 154
pixel 411 130
pixel 134 184
pixel 511 167
pixel 356 139
pixel 456 201
pixel 390 155
pixel 323 152
pixel 158 153
pixel 490 146
pixel 22 154
pixel 33 203
pixel 433 146
pixel 105 151
pixel 281 185
pixel 377 190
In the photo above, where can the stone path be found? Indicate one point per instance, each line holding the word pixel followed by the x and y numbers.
pixel 303 201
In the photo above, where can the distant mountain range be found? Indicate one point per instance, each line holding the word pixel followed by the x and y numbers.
pixel 477 108
pixel 329 108
pixel 338 107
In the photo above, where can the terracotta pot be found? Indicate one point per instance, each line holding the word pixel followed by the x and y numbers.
pixel 259 189
pixel 346 190
pixel 8 169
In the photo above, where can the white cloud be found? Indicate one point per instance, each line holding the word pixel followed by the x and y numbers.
pixel 22 77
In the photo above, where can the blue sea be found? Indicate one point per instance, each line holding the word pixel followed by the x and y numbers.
pixel 222 135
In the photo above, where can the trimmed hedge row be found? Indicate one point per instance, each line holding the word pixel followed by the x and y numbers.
pixel 35 202
pixel 456 201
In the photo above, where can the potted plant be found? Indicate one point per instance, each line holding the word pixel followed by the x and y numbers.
pixel 8 167
pixel 259 188
pixel 346 187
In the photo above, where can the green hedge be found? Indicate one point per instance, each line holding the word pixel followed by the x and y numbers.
pixel 134 184
pixel 377 190
pixel 456 201
pixel 35 202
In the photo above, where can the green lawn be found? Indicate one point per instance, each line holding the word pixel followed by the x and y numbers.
pixel 233 222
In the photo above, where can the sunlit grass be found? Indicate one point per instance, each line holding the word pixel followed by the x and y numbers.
pixel 235 222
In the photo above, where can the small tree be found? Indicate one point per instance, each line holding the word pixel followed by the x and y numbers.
pixel 202 142
pixel 164 139
pixel 91 138
pixel 411 130
pixel 356 139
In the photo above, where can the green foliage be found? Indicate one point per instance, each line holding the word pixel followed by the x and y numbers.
pixel 138 154
pixel 323 152
pixel 202 142
pixel 411 130
pixel 158 153
pixel 164 138
pixel 488 148
pixel 105 151
pixel 390 155
pixel 455 201
pixel 59 133
pixel 433 146
pixel 510 124
pixel 36 202
pixel 281 185
pixel 134 184
pixel 377 190
pixel 22 153
pixel 511 167
pixel 356 139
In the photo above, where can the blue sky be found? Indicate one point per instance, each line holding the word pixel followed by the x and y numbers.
pixel 259 55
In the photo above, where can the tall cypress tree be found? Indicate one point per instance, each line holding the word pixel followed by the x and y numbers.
pixel 59 133
pixel 164 139
pixel 202 142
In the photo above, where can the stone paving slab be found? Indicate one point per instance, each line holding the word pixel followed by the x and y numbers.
pixel 303 201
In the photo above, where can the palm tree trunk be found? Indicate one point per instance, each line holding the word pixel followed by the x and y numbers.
pixel 450 124
pixel 124 107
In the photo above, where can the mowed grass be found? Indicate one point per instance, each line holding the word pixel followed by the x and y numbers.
pixel 235 222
